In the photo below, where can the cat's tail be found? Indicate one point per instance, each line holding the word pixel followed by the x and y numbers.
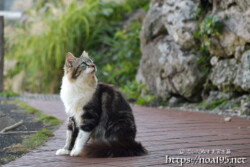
pixel 101 149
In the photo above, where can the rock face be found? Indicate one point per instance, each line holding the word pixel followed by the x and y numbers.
pixel 232 72
pixel 169 63
pixel 175 72
pixel 173 17
pixel 242 79
pixel 168 66
pixel 231 75
pixel 235 16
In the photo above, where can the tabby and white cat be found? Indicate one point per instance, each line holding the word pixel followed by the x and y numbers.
pixel 100 121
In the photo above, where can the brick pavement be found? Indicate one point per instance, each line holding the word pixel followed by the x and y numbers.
pixel 162 132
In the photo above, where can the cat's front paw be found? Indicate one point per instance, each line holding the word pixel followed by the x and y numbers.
pixel 62 152
pixel 75 153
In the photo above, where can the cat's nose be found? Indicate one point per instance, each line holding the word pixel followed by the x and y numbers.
pixel 94 67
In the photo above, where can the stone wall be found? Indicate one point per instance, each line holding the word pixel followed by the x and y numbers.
pixel 169 65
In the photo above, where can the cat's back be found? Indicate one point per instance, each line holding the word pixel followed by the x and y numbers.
pixel 111 97
pixel 106 89
pixel 108 92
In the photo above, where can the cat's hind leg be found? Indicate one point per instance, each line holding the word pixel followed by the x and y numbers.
pixel 90 121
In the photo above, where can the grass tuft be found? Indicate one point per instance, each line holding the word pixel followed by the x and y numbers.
pixel 26 108
pixel 10 158
pixel 37 139
pixel 214 104
pixel 34 140
pixel 49 120
pixel 46 119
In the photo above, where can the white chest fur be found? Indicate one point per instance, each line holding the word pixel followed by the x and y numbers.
pixel 74 96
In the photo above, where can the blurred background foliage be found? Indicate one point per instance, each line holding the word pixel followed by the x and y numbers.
pixel 97 26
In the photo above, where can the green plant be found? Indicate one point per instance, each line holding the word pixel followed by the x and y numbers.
pixel 10 158
pixel 233 106
pixel 46 119
pixel 248 99
pixel 209 27
pixel 213 104
pixel 26 108
pixel 137 92
pixel 6 159
pixel 199 13
pixel 37 139
pixel 75 27
pixel 9 93
pixel 203 8
pixel 163 103
pixel 49 120
pixel 124 55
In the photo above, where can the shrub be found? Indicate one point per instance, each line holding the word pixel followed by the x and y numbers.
pixel 124 56
pixel 77 27
pixel 9 93
pixel 137 93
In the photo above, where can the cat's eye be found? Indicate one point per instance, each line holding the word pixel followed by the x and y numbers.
pixel 84 64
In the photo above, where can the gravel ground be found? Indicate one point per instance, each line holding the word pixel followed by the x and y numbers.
pixel 231 107
pixel 11 140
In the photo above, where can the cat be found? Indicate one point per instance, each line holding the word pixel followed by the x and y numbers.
pixel 100 120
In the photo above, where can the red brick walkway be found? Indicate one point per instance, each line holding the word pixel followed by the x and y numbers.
pixel 162 132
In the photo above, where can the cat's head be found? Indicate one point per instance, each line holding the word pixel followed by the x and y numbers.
pixel 82 68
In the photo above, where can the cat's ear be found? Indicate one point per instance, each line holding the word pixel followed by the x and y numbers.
pixel 69 59
pixel 85 54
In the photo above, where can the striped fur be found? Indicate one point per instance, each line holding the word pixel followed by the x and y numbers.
pixel 101 121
